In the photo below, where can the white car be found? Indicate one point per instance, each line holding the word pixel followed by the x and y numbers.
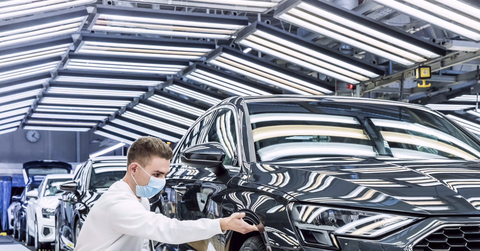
pixel 41 211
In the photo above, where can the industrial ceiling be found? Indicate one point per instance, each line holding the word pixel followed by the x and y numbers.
pixel 124 69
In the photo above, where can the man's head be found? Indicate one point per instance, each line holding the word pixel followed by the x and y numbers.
pixel 151 154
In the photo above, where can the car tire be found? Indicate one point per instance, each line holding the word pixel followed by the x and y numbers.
pixel 15 232
pixel 28 238
pixel 254 243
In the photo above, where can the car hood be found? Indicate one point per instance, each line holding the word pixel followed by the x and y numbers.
pixel 48 202
pixel 421 187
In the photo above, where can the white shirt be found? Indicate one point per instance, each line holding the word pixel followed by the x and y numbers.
pixel 120 221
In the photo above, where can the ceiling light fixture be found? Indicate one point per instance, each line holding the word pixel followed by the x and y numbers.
pixel 267 72
pixel 183 90
pixel 57 128
pixel 145 130
pixel 107 150
pixel 166 23
pixel 445 13
pixel 288 47
pixel 18 8
pixel 75 109
pixel 13 112
pixel 8 130
pixel 85 102
pixel 112 136
pixel 176 105
pixel 153 122
pixel 358 31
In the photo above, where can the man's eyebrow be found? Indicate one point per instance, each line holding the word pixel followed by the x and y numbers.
pixel 156 171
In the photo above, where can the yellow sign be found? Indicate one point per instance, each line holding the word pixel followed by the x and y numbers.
pixel 424 84
pixel 424 72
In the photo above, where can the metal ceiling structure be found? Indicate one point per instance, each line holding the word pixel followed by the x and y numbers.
pixel 127 68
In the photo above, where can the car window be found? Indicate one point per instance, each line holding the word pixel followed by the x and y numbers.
pixel 52 187
pixel 192 138
pixel 103 176
pixel 223 131
pixel 306 129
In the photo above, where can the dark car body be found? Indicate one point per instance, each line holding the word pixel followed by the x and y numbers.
pixel 19 209
pixel 328 173
pixel 90 181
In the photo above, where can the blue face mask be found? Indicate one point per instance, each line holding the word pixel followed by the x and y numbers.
pixel 154 186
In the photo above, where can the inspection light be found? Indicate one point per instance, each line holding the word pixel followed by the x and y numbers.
pixel 166 23
pixel 106 150
pixel 446 13
pixel 9 125
pixel 153 122
pixel 107 81
pixel 75 109
pixel 163 114
pixel 145 130
pixel 17 8
pixel 239 5
pixel 94 92
pixel 288 47
pixel 13 112
pixel 85 102
pixel 195 95
pixel 66 116
pixel 56 24
pixel 20 72
pixel 222 81
pixel 22 85
pixel 57 128
pixel 266 72
pixel 61 123
pixel 28 55
pixel 111 136
pixel 175 104
pixel 123 65
pixel 11 119
pixel 121 131
pixel 358 31
pixel 8 130
pixel 22 95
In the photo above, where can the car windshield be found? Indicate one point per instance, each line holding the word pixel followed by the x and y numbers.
pixel 104 175
pixel 329 128
pixel 52 188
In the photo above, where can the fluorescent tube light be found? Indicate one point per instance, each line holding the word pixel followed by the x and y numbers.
pixel 8 130
pixel 175 104
pixel 66 116
pixel 109 81
pixel 85 102
pixel 247 6
pixel 11 119
pixel 33 55
pixel 18 8
pixel 121 131
pixel 145 130
pixel 94 92
pixel 13 112
pixel 119 66
pixel 17 105
pixel 27 71
pixel 75 109
pixel 23 85
pixel 153 122
pixel 431 18
pixel 57 128
pixel 9 125
pixel 22 95
pixel 193 94
pixel 106 150
pixel 163 114
pixel 111 136
pixel 61 123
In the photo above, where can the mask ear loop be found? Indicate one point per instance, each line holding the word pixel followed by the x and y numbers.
pixel 134 177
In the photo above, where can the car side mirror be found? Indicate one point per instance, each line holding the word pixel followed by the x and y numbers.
pixel 32 194
pixel 207 155
pixel 69 186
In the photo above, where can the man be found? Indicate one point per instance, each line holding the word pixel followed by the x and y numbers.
pixel 121 220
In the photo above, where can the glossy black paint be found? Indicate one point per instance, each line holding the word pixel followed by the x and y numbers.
pixel 436 192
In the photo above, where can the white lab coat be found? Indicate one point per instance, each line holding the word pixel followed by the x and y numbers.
pixel 120 221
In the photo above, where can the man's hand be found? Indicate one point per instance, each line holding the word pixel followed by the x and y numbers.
pixel 236 223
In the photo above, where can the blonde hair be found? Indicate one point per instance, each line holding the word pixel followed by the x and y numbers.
pixel 144 148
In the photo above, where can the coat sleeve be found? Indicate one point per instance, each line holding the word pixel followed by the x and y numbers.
pixel 130 218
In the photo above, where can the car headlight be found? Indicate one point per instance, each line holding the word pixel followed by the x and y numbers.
pixel 319 225
pixel 47 212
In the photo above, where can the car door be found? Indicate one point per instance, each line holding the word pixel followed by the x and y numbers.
pixel 201 196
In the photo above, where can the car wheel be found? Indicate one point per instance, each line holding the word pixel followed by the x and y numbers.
pixel 28 236
pixel 254 243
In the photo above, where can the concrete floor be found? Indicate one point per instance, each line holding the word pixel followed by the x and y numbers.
pixel 8 243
